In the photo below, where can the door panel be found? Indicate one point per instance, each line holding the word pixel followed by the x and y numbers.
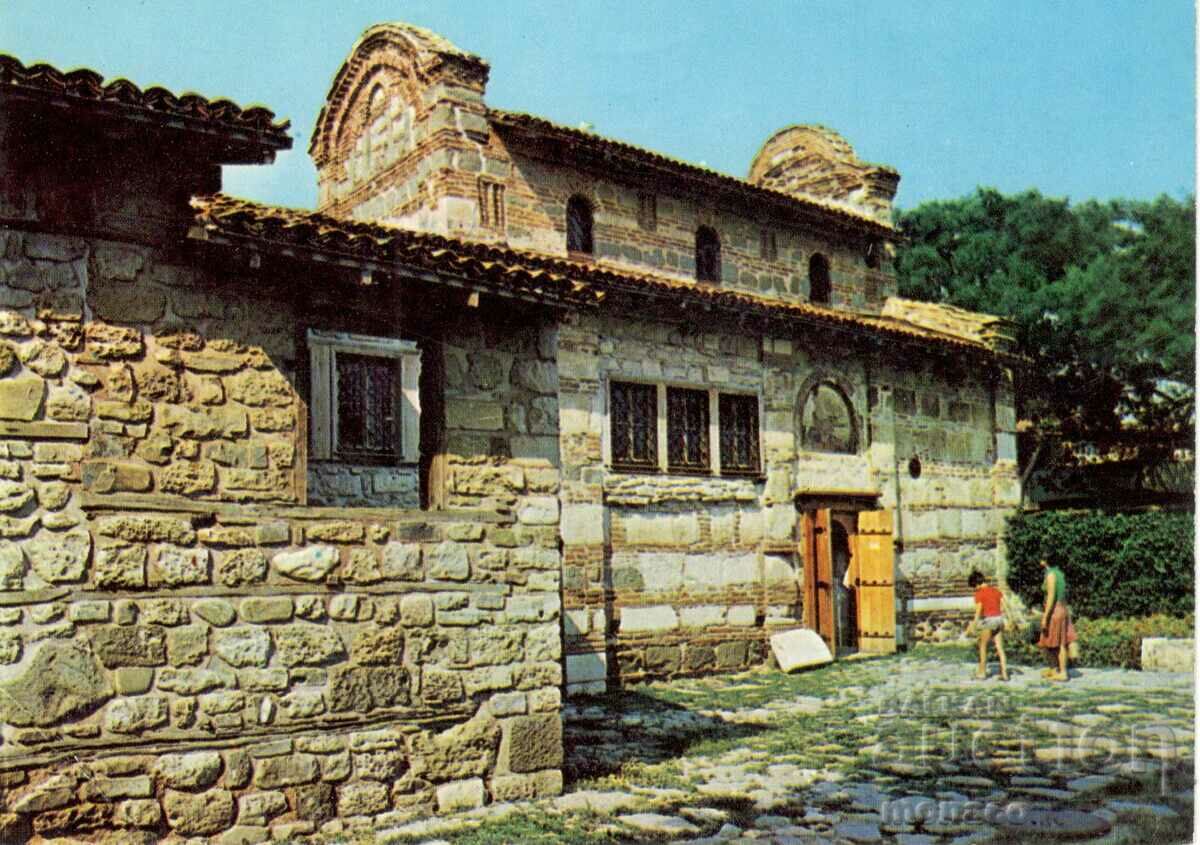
pixel 876 582
pixel 818 576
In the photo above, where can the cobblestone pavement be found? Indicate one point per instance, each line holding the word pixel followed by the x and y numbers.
pixel 908 749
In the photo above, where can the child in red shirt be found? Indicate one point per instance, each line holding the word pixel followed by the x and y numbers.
pixel 989 614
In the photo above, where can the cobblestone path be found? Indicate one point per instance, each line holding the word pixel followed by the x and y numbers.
pixel 908 749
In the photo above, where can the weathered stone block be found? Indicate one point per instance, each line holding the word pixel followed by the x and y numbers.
pixel 21 397
pixel 59 558
pixel 800 649
pixel 287 770
pixel 266 609
pixel 188 478
pixel 187 645
pixel 242 647
pixel 378 647
pixel 197 770
pixel 259 387
pixel 257 808
pixel 216 612
pixel 142 812
pixel 307 645
pixel 741 616
pixel 242 566
pixel 464 751
pixel 732 655
pixel 532 743
pixel 199 814
pixel 654 618
pixel 538 510
pixel 147 529
pixel 362 798
pixel 116 477
pixel 310 564
pixel 543 784
pixel 130 646
pixel 315 803
pixel 362 688
pixel 461 795
pixel 132 680
pixel 134 715
pixel 661 530
pixel 178 567
pixel 447 561
pixel 416 610
pixel 12 566
pixel 402 562
pixel 335 532
pixel 195 423
pixel 62 682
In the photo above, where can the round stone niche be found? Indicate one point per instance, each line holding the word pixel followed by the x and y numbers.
pixel 828 421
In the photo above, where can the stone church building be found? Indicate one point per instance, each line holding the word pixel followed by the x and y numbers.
pixel 313 517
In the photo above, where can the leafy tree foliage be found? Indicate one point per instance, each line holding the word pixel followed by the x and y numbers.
pixel 1102 295
pixel 1116 565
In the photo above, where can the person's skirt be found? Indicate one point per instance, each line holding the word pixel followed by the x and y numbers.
pixel 1060 631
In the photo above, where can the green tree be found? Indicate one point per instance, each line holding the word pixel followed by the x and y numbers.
pixel 1101 295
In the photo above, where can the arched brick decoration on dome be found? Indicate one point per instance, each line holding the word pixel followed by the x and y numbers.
pixel 825 415
pixel 814 162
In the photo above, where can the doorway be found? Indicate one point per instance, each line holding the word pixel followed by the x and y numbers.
pixel 849 580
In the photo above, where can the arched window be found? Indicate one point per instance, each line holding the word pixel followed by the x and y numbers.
pixel 818 279
pixel 376 105
pixel 827 421
pixel 579 225
pixel 708 255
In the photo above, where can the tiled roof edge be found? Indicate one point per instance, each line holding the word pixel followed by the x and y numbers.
pixel 87 85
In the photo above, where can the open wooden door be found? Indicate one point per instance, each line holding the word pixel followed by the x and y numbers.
pixel 875 583
pixel 818 576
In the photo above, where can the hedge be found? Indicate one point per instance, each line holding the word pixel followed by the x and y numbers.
pixel 1116 565
pixel 1102 642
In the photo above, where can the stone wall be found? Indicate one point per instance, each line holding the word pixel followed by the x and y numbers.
pixel 187 650
pixel 669 575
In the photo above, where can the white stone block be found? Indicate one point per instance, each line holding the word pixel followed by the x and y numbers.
pixel 781 523
pixel 661 572
pixel 582 668
pixel 662 530
pixel 800 649
pixel 582 525
pixel 1163 654
pixel 538 510
pixel 741 616
pixel 704 616
pixel 750 527
pixel 778 570
pixel 460 795
pixel 659 617
pixel 576 623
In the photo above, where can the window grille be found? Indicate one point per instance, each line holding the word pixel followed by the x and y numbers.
pixel 634 420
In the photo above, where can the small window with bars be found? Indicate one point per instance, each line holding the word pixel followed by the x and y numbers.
pixel 634 425
pixel 687 430
pixel 491 205
pixel 738 418
pixel 364 405
pixel 648 211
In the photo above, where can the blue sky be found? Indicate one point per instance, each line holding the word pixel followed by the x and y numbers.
pixel 1084 99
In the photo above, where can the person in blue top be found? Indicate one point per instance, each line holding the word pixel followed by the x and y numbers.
pixel 1058 632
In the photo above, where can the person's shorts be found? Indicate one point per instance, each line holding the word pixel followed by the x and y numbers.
pixel 992 623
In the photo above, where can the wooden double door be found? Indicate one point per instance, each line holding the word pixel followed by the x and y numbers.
pixel 849 579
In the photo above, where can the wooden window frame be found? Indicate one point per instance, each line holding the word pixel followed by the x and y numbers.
pixel 662 464
pixel 323 349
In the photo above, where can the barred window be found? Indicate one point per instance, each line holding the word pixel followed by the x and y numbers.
pixel 687 430
pixel 738 417
pixel 768 249
pixel 819 286
pixel 491 205
pixel 634 416
pixel 366 408
pixel 364 405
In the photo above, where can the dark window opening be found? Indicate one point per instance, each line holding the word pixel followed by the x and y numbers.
pixel 687 430
pixel 708 255
pixel 768 250
pixel 648 212
pixel 634 416
pixel 872 254
pixel 367 413
pixel 738 416
pixel 579 225
pixel 819 286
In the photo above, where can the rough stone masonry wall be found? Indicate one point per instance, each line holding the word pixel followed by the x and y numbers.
pixel 181 654
pixel 960 422
pixel 670 575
